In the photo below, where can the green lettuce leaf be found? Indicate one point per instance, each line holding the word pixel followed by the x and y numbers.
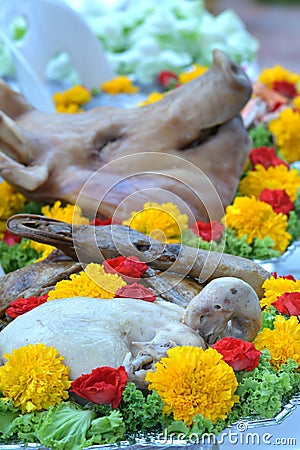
pixel 106 430
pixel 65 426
pixel 7 415
pixel 17 427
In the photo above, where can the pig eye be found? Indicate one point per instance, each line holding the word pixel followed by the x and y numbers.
pixel 217 307
pixel 201 319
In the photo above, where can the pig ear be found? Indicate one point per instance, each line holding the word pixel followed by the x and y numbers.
pixel 15 150
pixel 12 103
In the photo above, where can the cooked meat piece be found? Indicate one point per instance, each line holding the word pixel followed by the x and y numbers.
pixel 192 145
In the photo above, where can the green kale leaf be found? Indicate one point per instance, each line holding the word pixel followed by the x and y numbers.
pixel 140 412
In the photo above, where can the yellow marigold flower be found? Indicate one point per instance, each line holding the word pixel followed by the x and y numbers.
pixel 76 94
pixel 44 249
pixel 257 219
pixel 11 203
pixel 153 98
pixel 71 108
pixel 286 131
pixel 279 177
pixel 34 378
pixel 2 228
pixel 119 85
pixel 195 72
pixel 194 381
pixel 11 200
pixel 69 100
pixel 296 102
pixel 277 73
pixel 163 222
pixel 275 287
pixel 68 213
pixel 283 342
pixel 93 282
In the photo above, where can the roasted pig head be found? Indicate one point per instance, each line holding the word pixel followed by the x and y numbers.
pixel 190 146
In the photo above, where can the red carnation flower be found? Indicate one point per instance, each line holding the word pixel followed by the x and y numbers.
pixel 23 305
pixel 130 269
pixel 239 354
pixel 208 231
pixel 278 199
pixel 266 156
pixel 104 385
pixel 285 88
pixel 101 222
pixel 168 79
pixel 288 304
pixel 137 291
pixel 11 239
pixel 285 277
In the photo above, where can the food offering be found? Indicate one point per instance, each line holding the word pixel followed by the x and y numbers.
pixel 149 319
pixel 123 362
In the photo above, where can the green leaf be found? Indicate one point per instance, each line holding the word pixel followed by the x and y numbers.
pixel 262 390
pixel 140 412
pixel 106 430
pixel 65 426
pixel 268 317
pixel 294 225
pixel 261 137
pixel 7 415
pixel 16 256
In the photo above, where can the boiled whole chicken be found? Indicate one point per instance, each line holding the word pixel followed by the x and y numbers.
pixel 92 332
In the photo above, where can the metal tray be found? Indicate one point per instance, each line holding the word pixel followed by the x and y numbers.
pixel 161 442
pixel 287 263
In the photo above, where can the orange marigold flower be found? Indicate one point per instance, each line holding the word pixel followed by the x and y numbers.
pixel 34 378
pixel 68 213
pixel 152 98
pixel 194 381
pixel 270 75
pixel 163 222
pixel 274 287
pixel 296 103
pixel 92 282
pixel 69 100
pixel 195 72
pixel 286 131
pixel 278 177
pixel 283 342
pixel 256 219
pixel 119 85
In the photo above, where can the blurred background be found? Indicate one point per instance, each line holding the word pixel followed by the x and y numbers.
pixel 276 24
pixel 141 39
